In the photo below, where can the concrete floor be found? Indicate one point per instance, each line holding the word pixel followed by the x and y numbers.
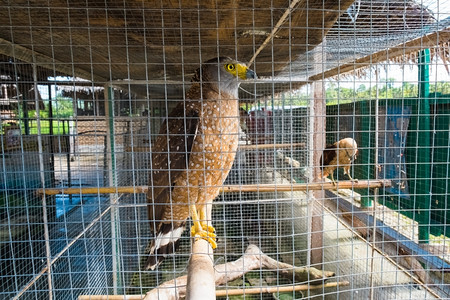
pixel 351 258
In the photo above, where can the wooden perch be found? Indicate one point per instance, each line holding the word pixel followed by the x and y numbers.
pixel 233 292
pixel 240 147
pixel 253 259
pixel 361 184
pixel 200 278
pixel 271 146
pixel 279 289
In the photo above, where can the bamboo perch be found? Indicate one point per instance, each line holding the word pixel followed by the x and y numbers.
pixel 253 259
pixel 271 146
pixel 348 184
pixel 231 292
pixel 240 147
pixel 279 289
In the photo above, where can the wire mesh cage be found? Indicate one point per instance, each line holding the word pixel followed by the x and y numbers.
pixel 321 146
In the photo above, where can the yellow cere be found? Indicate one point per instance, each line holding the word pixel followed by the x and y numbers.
pixel 237 69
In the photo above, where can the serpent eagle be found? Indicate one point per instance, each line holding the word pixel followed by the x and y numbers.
pixel 338 155
pixel 192 155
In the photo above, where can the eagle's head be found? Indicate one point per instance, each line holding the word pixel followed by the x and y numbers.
pixel 224 74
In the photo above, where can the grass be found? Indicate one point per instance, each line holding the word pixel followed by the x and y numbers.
pixel 59 127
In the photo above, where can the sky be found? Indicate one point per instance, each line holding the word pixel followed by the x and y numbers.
pixel 440 8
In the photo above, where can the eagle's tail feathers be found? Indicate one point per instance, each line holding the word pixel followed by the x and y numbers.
pixel 166 242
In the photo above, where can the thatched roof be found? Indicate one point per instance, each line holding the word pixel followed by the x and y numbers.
pixel 109 40
pixel 104 41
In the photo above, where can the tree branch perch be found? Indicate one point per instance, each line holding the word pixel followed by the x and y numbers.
pixel 253 259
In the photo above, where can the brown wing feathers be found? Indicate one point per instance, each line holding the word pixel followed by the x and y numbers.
pixel 329 153
pixel 169 159
pixel 168 164
pixel 340 154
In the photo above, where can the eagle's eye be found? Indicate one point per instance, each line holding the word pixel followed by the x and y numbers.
pixel 230 67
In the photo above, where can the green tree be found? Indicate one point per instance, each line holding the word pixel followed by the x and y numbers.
pixel 440 87
pixel 62 107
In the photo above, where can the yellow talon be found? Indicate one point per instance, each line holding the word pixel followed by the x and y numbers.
pixel 205 232
pixel 201 228
pixel 208 228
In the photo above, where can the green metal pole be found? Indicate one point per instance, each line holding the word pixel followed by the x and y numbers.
pixel 111 165
pixel 110 132
pixel 364 153
pixel 26 119
pixel 422 191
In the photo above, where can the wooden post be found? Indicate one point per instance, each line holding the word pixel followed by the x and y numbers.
pixel 201 280
pixel 317 142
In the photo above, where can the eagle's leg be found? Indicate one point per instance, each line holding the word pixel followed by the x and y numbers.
pixel 332 179
pixel 200 229
pixel 347 171
pixel 204 220
pixel 348 174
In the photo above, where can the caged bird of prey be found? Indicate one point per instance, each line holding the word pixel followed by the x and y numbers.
pixel 192 156
pixel 338 155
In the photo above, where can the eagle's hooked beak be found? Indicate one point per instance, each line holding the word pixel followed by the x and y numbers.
pixel 245 73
